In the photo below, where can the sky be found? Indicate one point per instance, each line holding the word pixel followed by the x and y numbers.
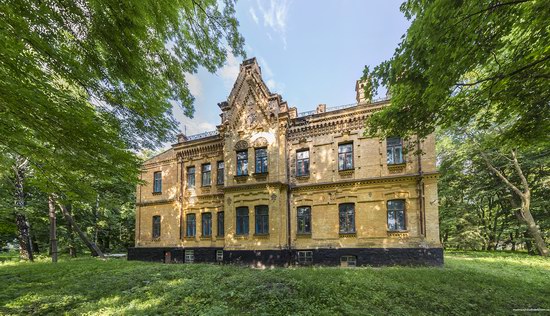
pixel 310 52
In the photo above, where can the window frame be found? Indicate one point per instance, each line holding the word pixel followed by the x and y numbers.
pixel 156 229
pixel 220 224
pixel 206 175
pixel 188 226
pixel 261 221
pixel 394 210
pixel 220 172
pixel 206 224
pixel 345 157
pixel 261 163
pixel 242 163
pixel 191 176
pixel 242 227
pixel 302 219
pixel 157 182
pixel 345 229
pixel 304 162
pixel 189 256
pixel 304 257
pixel 391 151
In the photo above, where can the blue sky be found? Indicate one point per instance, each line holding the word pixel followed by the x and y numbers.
pixel 310 52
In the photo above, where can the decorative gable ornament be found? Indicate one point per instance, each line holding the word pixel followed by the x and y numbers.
pixel 241 145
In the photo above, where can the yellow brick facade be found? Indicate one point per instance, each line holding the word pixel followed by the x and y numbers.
pixel 253 120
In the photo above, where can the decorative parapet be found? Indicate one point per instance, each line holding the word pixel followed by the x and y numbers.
pixel 323 109
pixel 202 135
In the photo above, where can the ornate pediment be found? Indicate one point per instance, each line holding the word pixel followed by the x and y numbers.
pixel 241 145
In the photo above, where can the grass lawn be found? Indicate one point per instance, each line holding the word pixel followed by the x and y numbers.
pixel 469 283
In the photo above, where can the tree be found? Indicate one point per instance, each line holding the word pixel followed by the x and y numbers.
pixel 84 84
pixel 461 57
pixel 481 64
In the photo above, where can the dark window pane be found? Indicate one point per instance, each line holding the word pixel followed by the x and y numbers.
pixel 394 150
pixel 396 215
pixel 207 224
pixel 261 160
pixel 221 225
pixel 191 177
pixel 220 175
pixel 304 220
pixel 262 219
pixel 157 182
pixel 302 163
pixel 206 174
pixel 347 218
pixel 242 220
pixel 191 226
pixel 242 163
pixel 345 156
pixel 156 226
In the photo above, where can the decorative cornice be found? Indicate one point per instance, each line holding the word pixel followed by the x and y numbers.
pixel 355 182
pixel 277 184
pixel 156 202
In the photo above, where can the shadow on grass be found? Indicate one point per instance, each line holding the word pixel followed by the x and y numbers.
pixel 466 285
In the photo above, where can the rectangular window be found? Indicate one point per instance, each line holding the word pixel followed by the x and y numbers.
pixel 305 257
pixel 261 160
pixel 242 163
pixel 345 156
pixel 347 218
pixel 348 261
pixel 191 226
pixel 262 219
pixel 221 227
pixel 206 224
pixel 302 163
pixel 206 172
pixel 304 220
pixel 156 226
pixel 220 174
pixel 396 215
pixel 394 151
pixel 157 182
pixel 219 255
pixel 189 256
pixel 242 220
pixel 191 177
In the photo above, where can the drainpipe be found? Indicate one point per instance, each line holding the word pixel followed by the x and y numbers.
pixel 420 188
pixel 288 194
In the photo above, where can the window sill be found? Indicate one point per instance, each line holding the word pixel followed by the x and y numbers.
pixel 302 177
pixel 189 238
pixel 241 178
pixel 157 193
pixel 398 233
pixel 303 235
pixel 261 236
pixel 206 186
pixel 348 235
pixel 241 236
pixel 156 239
pixel 396 168
pixel 346 171
pixel 206 237
pixel 220 237
pixel 219 184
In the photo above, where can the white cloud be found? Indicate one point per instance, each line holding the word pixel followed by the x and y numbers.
pixel 254 16
pixel 195 85
pixel 230 70
pixel 275 17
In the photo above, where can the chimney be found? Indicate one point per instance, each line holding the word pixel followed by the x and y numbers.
pixel 321 108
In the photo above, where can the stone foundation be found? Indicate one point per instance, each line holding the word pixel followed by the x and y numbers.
pixel 325 257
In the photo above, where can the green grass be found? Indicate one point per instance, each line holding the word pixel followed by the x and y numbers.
pixel 469 283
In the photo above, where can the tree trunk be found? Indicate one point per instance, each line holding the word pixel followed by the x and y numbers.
pixel 525 195
pixel 92 246
pixel 53 228
pixel 23 227
pixel 96 218
pixel 70 232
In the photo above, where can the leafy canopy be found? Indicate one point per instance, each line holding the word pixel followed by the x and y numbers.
pixel 462 58
pixel 85 82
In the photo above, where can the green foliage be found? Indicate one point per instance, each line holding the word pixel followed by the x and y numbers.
pixel 470 283
pixel 460 58
pixel 477 210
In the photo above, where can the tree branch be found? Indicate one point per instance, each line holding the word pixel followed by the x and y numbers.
pixel 520 173
pixel 501 176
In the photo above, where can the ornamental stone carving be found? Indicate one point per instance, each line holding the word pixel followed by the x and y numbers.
pixel 261 142
pixel 241 145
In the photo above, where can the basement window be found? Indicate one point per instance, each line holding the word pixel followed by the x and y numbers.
pixel 189 256
pixel 348 261
pixel 305 257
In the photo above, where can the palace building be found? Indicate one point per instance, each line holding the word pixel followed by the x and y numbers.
pixel 272 186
